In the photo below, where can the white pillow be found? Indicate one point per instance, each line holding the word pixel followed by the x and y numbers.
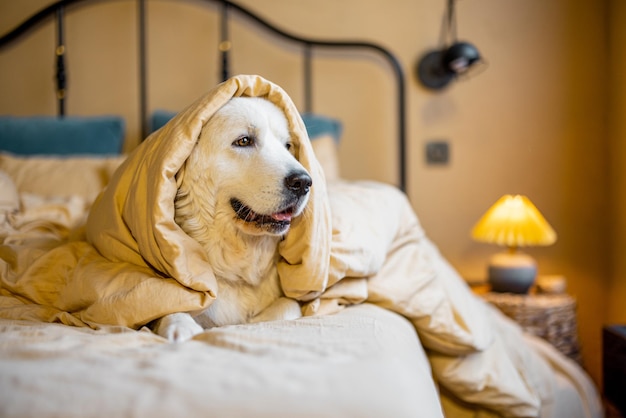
pixel 325 150
pixel 9 200
pixel 60 176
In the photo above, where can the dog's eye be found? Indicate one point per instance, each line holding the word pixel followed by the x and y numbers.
pixel 244 141
pixel 288 145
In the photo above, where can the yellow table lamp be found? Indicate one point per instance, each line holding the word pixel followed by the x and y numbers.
pixel 514 222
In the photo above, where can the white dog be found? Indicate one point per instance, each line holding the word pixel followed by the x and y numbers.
pixel 237 194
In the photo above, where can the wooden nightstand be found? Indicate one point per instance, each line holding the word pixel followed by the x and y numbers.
pixel 549 316
pixel 614 365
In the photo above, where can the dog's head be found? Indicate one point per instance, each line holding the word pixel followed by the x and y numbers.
pixel 243 170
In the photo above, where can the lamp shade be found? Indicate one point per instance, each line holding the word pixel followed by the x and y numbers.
pixel 460 56
pixel 514 221
pixel 436 69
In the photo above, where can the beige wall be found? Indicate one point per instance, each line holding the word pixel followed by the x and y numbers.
pixel 534 122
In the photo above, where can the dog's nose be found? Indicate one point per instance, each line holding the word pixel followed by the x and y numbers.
pixel 299 183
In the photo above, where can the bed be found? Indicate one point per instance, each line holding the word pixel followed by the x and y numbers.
pixel 388 327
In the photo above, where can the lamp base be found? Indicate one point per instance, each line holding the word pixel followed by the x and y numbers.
pixel 512 272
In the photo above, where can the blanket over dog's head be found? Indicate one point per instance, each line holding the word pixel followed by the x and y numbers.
pixel 133 220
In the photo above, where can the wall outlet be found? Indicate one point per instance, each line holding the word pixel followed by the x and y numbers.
pixel 437 152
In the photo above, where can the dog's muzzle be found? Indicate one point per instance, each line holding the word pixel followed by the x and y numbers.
pixel 297 186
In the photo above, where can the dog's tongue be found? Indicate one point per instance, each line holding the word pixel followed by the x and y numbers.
pixel 282 216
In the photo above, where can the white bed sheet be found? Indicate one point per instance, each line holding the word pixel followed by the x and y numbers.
pixel 362 362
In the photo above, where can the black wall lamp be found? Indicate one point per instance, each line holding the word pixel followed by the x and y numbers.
pixel 437 68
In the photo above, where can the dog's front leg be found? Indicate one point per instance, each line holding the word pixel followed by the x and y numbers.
pixel 177 327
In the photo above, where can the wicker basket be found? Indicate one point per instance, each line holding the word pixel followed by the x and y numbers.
pixel 551 317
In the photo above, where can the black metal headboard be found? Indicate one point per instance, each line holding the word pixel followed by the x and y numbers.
pixel 57 11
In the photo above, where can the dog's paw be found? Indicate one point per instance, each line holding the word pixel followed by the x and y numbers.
pixel 177 327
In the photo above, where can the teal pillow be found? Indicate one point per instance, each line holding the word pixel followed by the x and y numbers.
pixel 69 135
pixel 160 118
pixel 316 125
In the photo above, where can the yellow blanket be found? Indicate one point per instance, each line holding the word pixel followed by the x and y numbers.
pixel 137 264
